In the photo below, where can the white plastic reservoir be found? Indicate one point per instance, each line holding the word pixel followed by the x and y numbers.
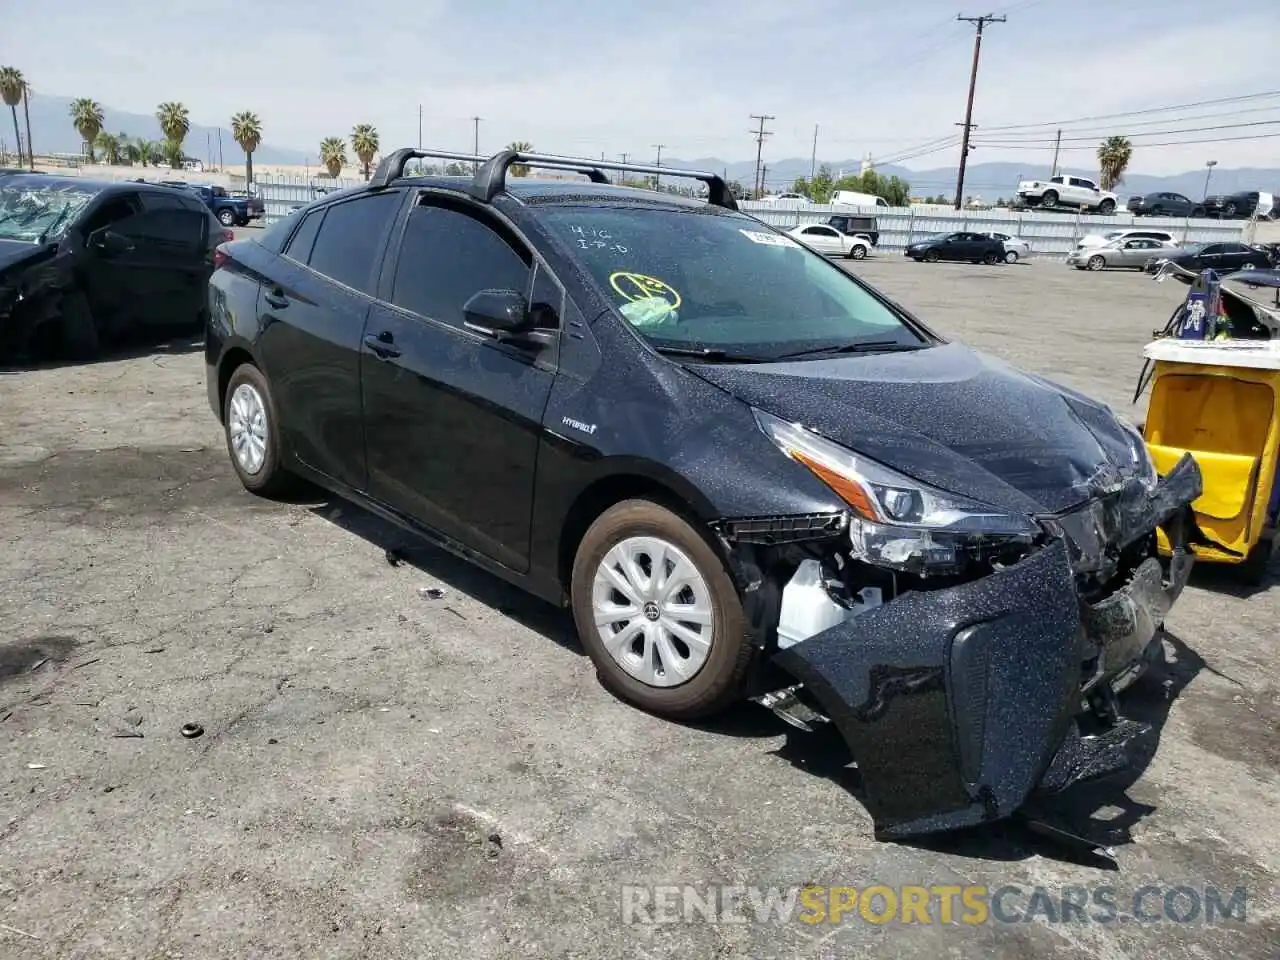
pixel 807 608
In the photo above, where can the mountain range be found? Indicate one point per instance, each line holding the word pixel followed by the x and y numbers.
pixel 53 133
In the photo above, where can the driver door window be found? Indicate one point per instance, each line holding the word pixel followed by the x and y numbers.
pixel 113 210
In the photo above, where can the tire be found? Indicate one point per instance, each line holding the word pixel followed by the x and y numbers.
pixel 248 389
pixel 713 683
pixel 1229 210
pixel 1198 212
pixel 227 217
pixel 1011 256
pixel 990 258
pixel 1107 207
pixel 79 335
pixel 1096 262
pixel 931 256
pixel 1048 198
pixel 857 252
pixel 1155 212
pixel 1254 569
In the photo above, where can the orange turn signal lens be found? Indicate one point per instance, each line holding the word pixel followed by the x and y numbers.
pixel 850 491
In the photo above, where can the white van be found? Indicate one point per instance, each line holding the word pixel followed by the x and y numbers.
pixel 849 198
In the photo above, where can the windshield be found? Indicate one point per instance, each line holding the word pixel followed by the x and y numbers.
pixel 40 214
pixel 691 280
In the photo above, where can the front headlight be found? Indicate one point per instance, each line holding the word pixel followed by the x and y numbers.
pixel 883 496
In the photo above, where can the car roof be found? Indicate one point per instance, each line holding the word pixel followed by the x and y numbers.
pixel 533 191
pixel 55 182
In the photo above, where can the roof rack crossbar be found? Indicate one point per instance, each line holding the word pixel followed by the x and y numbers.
pixel 491 178
pixel 392 166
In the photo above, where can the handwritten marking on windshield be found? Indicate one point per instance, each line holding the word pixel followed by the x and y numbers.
pixel 638 286
pixel 768 239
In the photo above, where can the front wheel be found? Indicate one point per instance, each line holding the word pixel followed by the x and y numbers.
pixel 1096 262
pixel 252 429
pixel 1048 198
pixel 659 614
pixel 227 217
pixel 931 256
pixel 1107 207
pixel 858 252
pixel 1011 256
pixel 1256 565
pixel 1229 210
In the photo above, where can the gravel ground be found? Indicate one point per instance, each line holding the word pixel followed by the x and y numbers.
pixel 384 772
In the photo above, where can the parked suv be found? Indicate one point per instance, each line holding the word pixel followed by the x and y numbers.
pixel 854 226
pixel 747 472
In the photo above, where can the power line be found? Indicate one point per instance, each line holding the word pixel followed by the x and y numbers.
pixel 1149 133
pixel 981 22
pixel 1245 98
pixel 760 135
pixel 997 145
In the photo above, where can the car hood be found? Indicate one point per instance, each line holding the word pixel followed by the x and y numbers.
pixel 15 251
pixel 951 417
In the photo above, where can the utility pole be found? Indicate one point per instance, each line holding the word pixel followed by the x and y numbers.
pixel 221 165
pixel 476 143
pixel 657 178
pixel 981 22
pixel 760 135
pixel 622 174
pixel 419 126
pixel 813 162
pixel 1057 145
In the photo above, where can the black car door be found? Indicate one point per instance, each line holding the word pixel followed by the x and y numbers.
pixel 952 247
pixel 453 417
pixel 311 315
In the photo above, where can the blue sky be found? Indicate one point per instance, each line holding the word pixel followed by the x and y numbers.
pixel 592 76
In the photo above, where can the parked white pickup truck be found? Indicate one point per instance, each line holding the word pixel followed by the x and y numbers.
pixel 1066 191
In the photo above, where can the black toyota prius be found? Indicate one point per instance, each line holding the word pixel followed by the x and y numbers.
pixel 748 473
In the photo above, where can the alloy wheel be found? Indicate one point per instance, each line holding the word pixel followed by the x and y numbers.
pixel 653 611
pixel 247 428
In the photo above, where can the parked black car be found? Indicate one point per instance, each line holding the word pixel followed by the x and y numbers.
pixel 1233 205
pixel 851 225
pixel 1165 204
pixel 971 247
pixel 708 440
pixel 82 262
pixel 1222 257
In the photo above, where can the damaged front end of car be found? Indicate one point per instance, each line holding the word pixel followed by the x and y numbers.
pixel 970 659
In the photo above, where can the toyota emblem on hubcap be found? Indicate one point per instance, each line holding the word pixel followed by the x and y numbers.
pixel 651 611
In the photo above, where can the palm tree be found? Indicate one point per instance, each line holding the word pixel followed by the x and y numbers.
pixel 364 141
pixel 12 89
pixel 333 154
pixel 174 124
pixel 86 116
pixel 1113 159
pixel 247 130
pixel 112 148
pixel 520 146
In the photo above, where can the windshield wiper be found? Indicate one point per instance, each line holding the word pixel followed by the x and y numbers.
pixel 707 353
pixel 865 346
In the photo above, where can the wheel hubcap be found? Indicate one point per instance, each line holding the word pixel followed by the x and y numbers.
pixel 247 428
pixel 653 611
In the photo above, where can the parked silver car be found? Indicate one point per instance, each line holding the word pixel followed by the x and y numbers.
pixel 1132 253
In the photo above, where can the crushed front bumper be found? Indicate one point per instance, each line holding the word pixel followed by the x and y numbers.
pixel 958 704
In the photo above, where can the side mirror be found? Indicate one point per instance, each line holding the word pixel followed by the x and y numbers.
pixel 495 312
pixel 109 243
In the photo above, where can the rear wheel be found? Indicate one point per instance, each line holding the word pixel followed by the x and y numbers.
pixel 1198 212
pixel 1096 262
pixel 1254 569
pixel 227 217
pixel 252 430
pixel 1229 210
pixel 989 258
pixel 658 613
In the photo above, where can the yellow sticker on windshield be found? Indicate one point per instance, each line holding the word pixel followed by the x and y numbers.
pixel 637 286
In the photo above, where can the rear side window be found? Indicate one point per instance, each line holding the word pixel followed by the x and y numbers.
pixel 349 243
pixel 300 244
pixel 446 257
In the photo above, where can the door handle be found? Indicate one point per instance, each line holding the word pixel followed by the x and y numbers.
pixel 383 344
pixel 277 299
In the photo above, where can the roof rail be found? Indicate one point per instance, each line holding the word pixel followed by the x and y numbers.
pixel 491 178
pixel 392 166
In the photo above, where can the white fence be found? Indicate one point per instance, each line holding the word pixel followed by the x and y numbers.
pixel 1049 234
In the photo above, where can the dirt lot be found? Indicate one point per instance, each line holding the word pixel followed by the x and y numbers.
pixel 383 774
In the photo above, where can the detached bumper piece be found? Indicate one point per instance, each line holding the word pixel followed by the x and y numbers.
pixel 959 704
